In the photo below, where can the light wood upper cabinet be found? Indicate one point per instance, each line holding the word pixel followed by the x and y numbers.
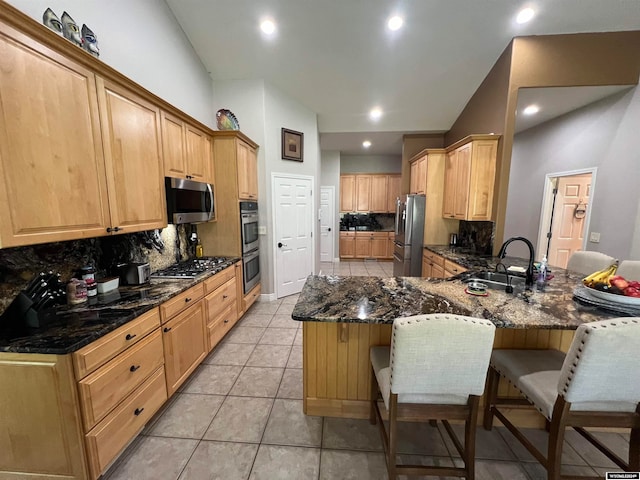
pixel 247 172
pixel 173 146
pixel 378 200
pixel 347 193
pixel 199 158
pixel 133 160
pixel 363 193
pixel 393 192
pixel 375 193
pixel 418 181
pixel 51 161
pixel 470 178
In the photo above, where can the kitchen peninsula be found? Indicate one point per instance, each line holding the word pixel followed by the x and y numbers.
pixel 344 316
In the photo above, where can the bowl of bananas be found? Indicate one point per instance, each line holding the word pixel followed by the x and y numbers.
pixel 606 285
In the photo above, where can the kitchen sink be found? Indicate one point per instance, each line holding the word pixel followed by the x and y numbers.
pixel 497 281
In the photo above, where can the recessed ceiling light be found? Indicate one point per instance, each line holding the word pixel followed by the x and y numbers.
pixel 531 110
pixel 366 144
pixel 525 15
pixel 395 23
pixel 268 26
pixel 375 113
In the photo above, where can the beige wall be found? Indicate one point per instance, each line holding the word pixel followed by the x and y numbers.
pixel 609 58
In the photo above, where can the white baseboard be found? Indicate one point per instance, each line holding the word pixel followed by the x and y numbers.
pixel 336 260
pixel 267 297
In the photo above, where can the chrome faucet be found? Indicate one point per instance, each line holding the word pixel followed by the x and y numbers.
pixel 503 252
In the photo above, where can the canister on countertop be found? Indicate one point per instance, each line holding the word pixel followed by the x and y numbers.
pixel 92 287
pixel 76 291
pixel 88 272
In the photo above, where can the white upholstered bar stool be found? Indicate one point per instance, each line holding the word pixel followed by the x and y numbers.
pixel 596 384
pixel 629 269
pixel 435 369
pixel 588 262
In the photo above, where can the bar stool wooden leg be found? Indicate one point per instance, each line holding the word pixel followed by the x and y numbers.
pixel 393 435
pixel 556 438
pixel 493 379
pixel 374 397
pixel 470 437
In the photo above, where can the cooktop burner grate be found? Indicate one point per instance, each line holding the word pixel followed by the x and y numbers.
pixel 194 268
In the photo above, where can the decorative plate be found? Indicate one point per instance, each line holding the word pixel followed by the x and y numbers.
pixel 476 293
pixel 613 298
pixel 227 120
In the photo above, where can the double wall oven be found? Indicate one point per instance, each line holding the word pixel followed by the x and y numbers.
pixel 250 249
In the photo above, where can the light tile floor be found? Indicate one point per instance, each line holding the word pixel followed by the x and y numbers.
pixel 240 417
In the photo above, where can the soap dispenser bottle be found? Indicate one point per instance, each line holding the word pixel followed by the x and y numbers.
pixel 542 274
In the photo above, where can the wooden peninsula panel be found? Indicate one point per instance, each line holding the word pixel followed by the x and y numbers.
pixel 337 369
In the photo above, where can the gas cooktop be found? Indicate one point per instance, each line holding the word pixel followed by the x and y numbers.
pixel 193 268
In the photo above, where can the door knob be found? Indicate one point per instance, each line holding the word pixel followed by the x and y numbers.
pixel 280 245
pixel 329 229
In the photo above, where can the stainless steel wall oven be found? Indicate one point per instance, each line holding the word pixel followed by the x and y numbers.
pixel 250 245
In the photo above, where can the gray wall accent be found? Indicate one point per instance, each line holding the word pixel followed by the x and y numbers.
pixel 370 164
pixel 143 41
pixel 603 134
pixel 330 176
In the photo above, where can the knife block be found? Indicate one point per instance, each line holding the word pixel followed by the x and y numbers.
pixel 20 313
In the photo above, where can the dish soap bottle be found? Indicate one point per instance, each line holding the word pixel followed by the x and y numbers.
pixel 199 250
pixel 542 274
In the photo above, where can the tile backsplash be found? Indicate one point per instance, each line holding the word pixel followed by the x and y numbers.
pixel 476 236
pixel 160 248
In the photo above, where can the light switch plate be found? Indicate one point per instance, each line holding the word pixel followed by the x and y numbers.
pixel 594 237
pixel 262 230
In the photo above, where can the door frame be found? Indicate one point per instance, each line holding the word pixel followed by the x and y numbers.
pixel 332 195
pixel 547 206
pixel 274 209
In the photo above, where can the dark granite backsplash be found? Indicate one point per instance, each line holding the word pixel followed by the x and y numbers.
pixel 159 248
pixel 373 221
pixel 476 236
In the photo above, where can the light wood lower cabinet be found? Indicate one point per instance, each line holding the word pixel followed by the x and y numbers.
pixel 366 245
pixel 221 311
pixel 42 435
pixel 185 345
pixel 251 297
pixel 108 438
pixel 436 266
pixel 102 390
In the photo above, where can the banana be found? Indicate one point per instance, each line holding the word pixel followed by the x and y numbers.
pixel 601 276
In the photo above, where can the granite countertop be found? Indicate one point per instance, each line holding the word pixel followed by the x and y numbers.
pixel 73 327
pixel 381 300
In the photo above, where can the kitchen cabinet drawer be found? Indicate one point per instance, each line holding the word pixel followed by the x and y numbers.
pixel 220 278
pixel 97 353
pixel 111 435
pixel 220 300
pixel 434 258
pixel 348 234
pixel 107 386
pixel 220 325
pixel 180 302
pixel 452 268
pixel 251 297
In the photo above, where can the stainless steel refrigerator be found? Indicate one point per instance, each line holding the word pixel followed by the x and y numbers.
pixel 407 249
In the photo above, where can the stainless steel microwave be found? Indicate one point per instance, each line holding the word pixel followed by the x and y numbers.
pixel 189 201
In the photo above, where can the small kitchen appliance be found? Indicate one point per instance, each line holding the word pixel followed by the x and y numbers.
pixel 134 273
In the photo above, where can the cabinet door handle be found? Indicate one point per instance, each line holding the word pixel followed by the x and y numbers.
pixel 187 300
pixel 225 296
pixel 166 329
pixel 109 229
pixel 129 336
pixel 226 321
pixel 138 411
pixel 133 368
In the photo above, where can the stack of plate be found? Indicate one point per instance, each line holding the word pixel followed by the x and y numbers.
pixel 609 301
pixel 476 288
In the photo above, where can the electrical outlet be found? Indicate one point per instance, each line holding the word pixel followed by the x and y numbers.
pixel 262 230
pixel 594 237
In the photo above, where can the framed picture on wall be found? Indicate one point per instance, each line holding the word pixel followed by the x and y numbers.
pixel 292 145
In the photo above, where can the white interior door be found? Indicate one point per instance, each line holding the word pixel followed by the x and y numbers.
pixel 327 224
pixel 293 220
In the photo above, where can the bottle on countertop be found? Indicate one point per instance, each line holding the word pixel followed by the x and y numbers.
pixel 542 274
pixel 199 249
